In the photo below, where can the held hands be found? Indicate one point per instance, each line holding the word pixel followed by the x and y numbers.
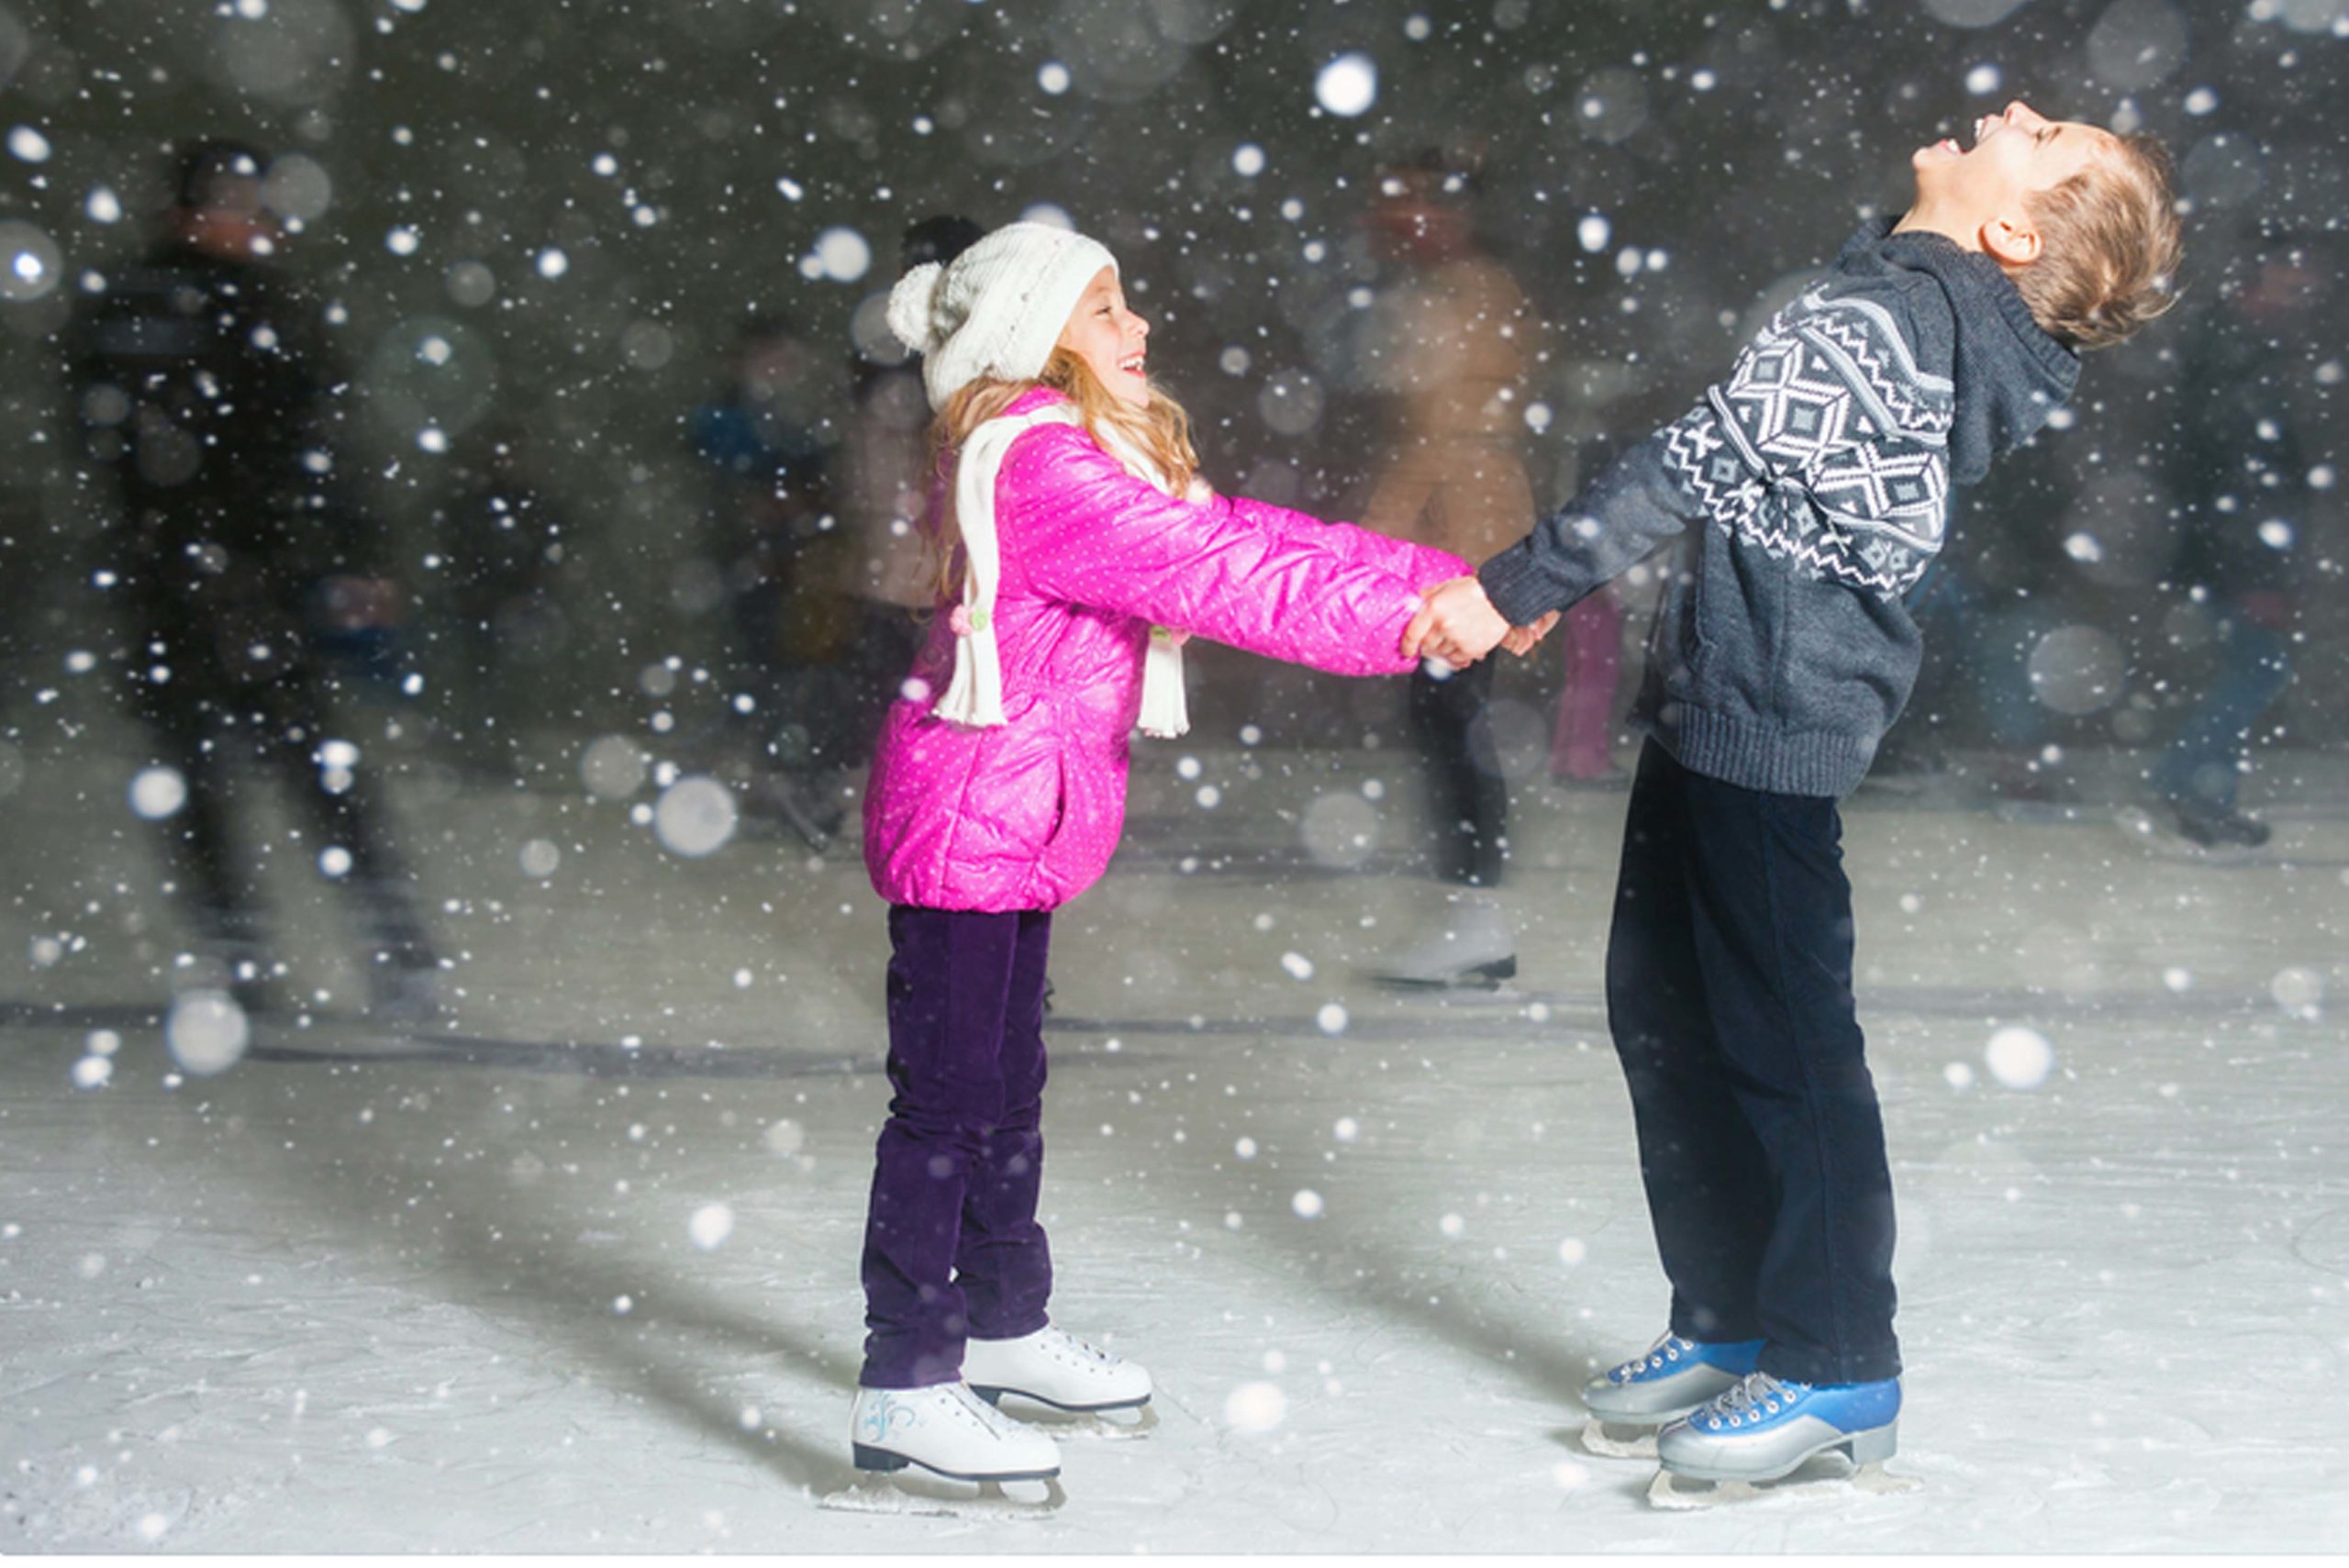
pixel 1458 625
pixel 1522 638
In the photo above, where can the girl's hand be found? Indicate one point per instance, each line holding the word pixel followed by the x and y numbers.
pixel 1456 624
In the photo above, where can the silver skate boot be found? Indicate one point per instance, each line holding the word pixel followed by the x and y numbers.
pixel 1764 1428
pixel 1670 1380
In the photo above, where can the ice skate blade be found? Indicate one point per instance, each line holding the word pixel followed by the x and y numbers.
pixel 914 1494
pixel 1477 977
pixel 1116 1423
pixel 1680 1493
pixel 889 1461
pixel 1619 1440
pixel 1105 1423
pixel 2041 813
pixel 2162 841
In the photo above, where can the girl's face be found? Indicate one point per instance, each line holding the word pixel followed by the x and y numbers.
pixel 1111 340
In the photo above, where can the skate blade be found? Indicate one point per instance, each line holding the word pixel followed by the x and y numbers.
pixel 1119 1423
pixel 1491 978
pixel 2163 842
pixel 1619 1440
pixel 916 1496
pixel 2040 813
pixel 1088 1426
pixel 1680 1493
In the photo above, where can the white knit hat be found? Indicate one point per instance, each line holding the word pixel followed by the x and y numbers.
pixel 997 308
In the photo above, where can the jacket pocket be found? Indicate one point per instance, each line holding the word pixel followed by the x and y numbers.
pixel 1059 798
pixel 1694 599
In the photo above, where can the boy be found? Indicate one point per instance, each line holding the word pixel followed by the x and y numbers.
pixel 1809 493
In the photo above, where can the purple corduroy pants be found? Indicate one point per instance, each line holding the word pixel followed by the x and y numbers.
pixel 952 1247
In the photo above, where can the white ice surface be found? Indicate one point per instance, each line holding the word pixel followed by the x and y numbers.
pixel 358 1293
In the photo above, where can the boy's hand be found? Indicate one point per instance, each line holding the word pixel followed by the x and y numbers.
pixel 1456 624
pixel 1522 638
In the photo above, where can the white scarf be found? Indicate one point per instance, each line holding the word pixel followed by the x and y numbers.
pixel 974 697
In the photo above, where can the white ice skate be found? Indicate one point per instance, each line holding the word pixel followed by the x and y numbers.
pixel 1472 944
pixel 947 1430
pixel 1054 1367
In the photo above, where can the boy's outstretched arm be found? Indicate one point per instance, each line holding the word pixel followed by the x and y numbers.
pixel 1632 507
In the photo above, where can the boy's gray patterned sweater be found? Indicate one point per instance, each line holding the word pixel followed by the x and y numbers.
pixel 1822 472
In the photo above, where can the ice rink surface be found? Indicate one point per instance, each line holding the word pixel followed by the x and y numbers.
pixel 576 1271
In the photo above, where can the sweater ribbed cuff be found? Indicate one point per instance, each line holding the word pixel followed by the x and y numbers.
pixel 1517 586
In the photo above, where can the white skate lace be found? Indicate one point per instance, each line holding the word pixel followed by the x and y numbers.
pixel 1755 1396
pixel 1668 1347
pixel 1084 1349
pixel 986 1415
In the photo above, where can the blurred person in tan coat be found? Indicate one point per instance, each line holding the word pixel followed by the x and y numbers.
pixel 1453 344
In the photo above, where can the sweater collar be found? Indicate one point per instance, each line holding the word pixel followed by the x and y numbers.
pixel 2010 372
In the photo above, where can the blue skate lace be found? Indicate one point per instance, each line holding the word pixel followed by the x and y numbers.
pixel 1756 1396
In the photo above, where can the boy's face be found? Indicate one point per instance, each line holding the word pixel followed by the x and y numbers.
pixel 1978 195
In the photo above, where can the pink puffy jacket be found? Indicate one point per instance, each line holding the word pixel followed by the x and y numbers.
pixel 1026 816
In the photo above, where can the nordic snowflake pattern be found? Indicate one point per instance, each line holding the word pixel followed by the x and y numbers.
pixel 1828 445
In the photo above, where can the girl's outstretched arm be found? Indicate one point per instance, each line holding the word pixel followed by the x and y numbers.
pixel 1092 534
pixel 1419 563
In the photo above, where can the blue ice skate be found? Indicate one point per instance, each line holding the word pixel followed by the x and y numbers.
pixel 1671 1378
pixel 1763 1428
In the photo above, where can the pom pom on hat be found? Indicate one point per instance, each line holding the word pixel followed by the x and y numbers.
pixel 996 310
pixel 913 305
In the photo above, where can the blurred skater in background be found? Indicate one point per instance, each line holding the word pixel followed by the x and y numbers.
pixel 208 421
pixel 1454 343
pixel 2241 477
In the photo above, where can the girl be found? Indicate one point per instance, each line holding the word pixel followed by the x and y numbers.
pixel 1069 518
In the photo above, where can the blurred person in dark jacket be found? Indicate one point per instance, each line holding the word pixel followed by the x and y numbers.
pixel 2241 476
pixel 781 556
pixel 206 412
pixel 502 550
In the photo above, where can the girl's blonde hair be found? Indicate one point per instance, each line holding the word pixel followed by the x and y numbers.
pixel 1160 431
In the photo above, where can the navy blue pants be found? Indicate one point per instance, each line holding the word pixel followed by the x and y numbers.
pixel 952 1246
pixel 1729 991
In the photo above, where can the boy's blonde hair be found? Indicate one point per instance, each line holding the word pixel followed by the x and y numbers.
pixel 2110 244
pixel 1161 432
